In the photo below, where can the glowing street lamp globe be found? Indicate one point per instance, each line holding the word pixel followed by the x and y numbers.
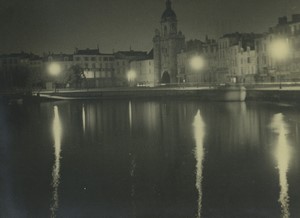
pixel 279 49
pixel 197 63
pixel 54 69
pixel 131 75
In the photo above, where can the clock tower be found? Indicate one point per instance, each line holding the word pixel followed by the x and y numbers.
pixel 168 42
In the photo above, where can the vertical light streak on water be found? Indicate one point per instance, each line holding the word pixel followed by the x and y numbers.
pixel 130 115
pixel 132 164
pixel 132 175
pixel 57 133
pixel 283 156
pixel 199 133
pixel 83 118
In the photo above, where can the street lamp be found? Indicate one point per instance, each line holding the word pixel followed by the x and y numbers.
pixel 131 76
pixel 279 51
pixel 54 70
pixel 197 63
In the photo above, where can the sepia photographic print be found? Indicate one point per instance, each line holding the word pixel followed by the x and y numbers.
pixel 149 109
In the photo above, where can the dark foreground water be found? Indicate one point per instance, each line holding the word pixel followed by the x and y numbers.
pixel 149 159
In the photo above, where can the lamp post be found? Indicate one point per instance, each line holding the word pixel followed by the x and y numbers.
pixel 131 76
pixel 197 63
pixel 279 51
pixel 54 70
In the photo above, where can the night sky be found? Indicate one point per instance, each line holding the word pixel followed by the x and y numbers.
pixel 61 25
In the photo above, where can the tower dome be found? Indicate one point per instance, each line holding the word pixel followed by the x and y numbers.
pixel 168 14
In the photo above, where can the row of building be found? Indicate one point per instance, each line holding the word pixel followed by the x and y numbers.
pixel 99 69
pixel 235 57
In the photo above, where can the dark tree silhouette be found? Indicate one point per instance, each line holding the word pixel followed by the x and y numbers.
pixel 75 76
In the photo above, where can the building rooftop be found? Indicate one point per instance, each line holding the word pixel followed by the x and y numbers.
pixel 87 51
pixel 21 55
pixel 131 54
pixel 243 39
pixel 58 57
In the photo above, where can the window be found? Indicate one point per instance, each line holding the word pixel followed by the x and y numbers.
pixel 77 59
pixel 86 58
pixel 93 58
pixel 264 59
pixel 248 60
pixel 106 59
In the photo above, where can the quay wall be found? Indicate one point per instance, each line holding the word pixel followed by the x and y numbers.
pixel 273 95
pixel 201 94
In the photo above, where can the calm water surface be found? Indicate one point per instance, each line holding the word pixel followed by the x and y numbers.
pixel 149 159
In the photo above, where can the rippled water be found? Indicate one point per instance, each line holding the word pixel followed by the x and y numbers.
pixel 149 159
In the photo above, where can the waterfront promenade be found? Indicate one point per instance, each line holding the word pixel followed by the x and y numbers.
pixel 270 92
pixel 266 93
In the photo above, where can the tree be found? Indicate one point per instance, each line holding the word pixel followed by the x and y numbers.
pixel 75 76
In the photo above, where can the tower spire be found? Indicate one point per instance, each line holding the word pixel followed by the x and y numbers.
pixel 168 4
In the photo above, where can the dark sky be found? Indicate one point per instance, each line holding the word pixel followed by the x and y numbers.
pixel 62 25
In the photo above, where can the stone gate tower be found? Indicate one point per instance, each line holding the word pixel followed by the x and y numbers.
pixel 168 42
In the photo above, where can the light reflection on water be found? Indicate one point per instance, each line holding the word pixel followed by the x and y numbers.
pixel 283 157
pixel 83 118
pixel 132 175
pixel 132 164
pixel 199 133
pixel 57 133
pixel 142 158
pixel 130 115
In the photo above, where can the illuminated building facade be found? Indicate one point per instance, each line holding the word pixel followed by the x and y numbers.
pixel 98 67
pixel 144 69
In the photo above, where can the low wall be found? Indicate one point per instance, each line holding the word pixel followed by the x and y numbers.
pixel 200 94
pixel 119 94
pixel 273 95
